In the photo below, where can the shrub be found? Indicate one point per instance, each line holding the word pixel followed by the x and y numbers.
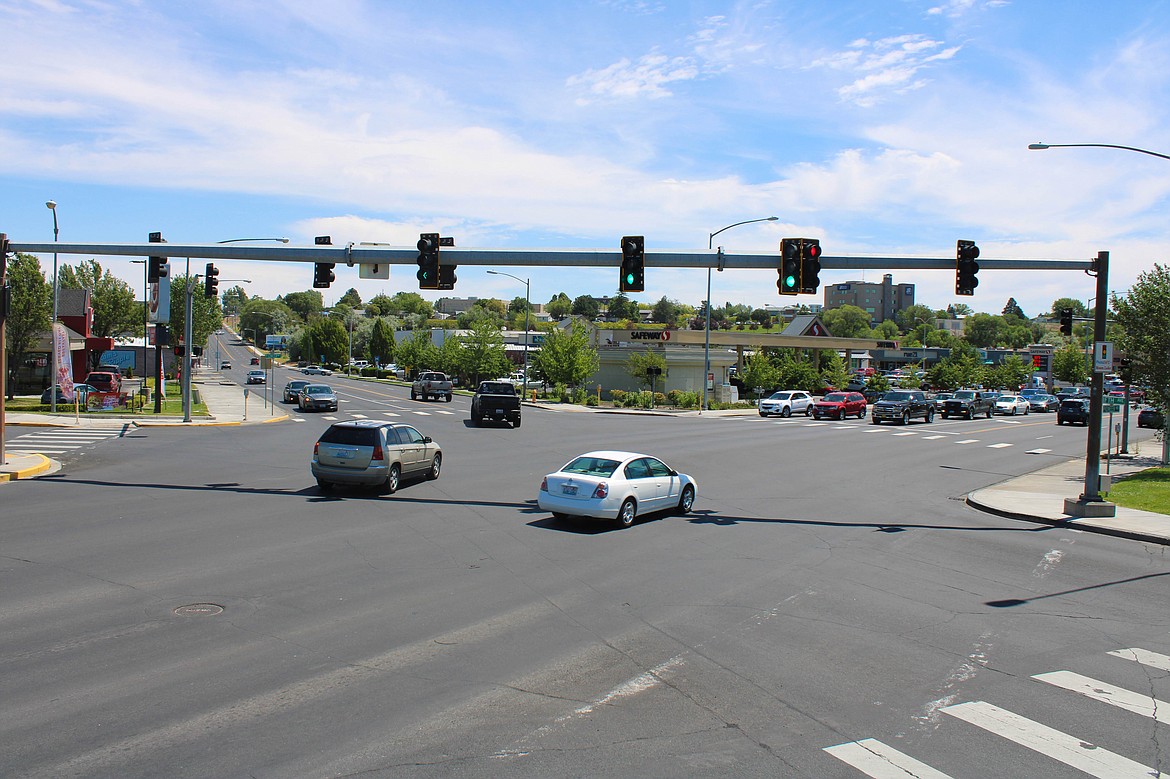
pixel 591 400
pixel 618 397
pixel 659 399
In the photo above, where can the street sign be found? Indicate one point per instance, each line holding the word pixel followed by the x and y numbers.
pixel 1102 357
pixel 272 355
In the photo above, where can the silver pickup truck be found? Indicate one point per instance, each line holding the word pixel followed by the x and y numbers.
pixel 431 384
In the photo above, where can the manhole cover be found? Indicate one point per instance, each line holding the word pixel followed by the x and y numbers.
pixel 199 610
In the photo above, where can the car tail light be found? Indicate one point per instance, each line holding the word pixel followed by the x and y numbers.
pixel 544 484
pixel 378 454
pixel 601 491
pixel 315 448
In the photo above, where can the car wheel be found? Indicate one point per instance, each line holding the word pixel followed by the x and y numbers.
pixel 436 467
pixel 861 414
pixel 474 420
pixel 763 414
pixel 1027 410
pixel 808 412
pixel 449 397
pixel 988 413
pixel 874 421
pixel 392 479
pixel 905 417
pixel 627 512
pixel 687 501
pixel 413 395
pixel 516 424
pixel 560 515
pixel 929 415
pixel 324 486
pixel 786 412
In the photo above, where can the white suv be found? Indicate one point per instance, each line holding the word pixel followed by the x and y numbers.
pixel 785 403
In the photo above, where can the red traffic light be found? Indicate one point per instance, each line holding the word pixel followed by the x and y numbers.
pixel 812 250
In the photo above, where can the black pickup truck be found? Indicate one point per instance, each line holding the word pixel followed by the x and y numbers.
pixel 495 400
pixel 902 406
pixel 968 404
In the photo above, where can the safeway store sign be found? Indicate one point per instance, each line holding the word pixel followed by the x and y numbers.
pixel 649 335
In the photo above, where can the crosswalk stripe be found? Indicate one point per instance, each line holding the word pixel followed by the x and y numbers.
pixel 1038 451
pixel 42 449
pixel 906 432
pixel 1152 659
pixel 1106 693
pixel 358 416
pixel 422 413
pixel 1071 751
pixel 874 759
pixel 445 412
pixel 998 446
pixel 968 441
pixel 932 437
pixel 391 413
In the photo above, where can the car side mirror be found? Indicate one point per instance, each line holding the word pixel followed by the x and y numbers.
pixel 427 439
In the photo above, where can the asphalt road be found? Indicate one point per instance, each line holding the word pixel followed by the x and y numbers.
pixel 830 586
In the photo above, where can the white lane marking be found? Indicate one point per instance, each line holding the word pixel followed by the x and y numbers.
pixel 1041 438
pixel 640 683
pixel 42 449
pixel 391 414
pixel 1152 659
pixel 1038 451
pixel 875 759
pixel 932 437
pixel 445 412
pixel 968 441
pixel 1071 751
pixel 906 432
pixel 422 413
pixel 815 424
pixel 1009 422
pixel 1106 693
pixel 298 419
pixel 964 671
pixel 358 416
pixel 998 446
pixel 1049 562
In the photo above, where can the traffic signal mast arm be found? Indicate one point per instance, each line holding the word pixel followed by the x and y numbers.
pixel 584 258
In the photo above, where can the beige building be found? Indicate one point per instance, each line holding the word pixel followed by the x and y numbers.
pixel 881 301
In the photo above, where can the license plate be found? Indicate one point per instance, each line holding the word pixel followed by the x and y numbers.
pixel 499 411
pixel 569 489
pixel 344 454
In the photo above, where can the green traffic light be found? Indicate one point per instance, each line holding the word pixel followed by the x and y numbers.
pixel 629 278
pixel 789 281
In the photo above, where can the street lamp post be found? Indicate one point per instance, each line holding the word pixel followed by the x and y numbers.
pixel 527 306
pixel 52 206
pixel 145 312
pixel 1093 451
pixel 707 328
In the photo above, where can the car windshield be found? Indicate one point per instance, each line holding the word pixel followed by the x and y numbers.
pixel 835 397
pixel 897 396
pixel 781 396
pixel 964 395
pixel 592 466
pixel 318 389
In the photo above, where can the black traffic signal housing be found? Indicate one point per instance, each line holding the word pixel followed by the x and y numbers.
pixel 966 269
pixel 428 262
pixel 155 265
pixel 447 277
pixel 633 270
pixel 1066 321
pixel 323 275
pixel 788 282
pixel 810 265
pixel 210 281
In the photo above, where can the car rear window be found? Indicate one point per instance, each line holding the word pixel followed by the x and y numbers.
pixel 835 397
pixel 350 436
pixel 592 466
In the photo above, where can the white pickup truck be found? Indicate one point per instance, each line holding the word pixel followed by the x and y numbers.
pixel 432 384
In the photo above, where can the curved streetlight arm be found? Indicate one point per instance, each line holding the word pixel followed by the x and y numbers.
pixel 711 236
pixel 1040 146
pixel 242 240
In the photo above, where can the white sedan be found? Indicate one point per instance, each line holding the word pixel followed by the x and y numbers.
pixel 615 485
pixel 316 370
pixel 1012 404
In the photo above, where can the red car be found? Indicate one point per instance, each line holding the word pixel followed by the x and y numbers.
pixel 839 405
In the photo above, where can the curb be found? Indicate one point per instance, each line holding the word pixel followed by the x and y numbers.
pixel 28 473
pixel 1073 523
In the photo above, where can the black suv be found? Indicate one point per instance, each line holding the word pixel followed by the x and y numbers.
pixel 1075 412
pixel 902 406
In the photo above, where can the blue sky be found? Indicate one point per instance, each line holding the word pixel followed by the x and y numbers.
pixel 882 127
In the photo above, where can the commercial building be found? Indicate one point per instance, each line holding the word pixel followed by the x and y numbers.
pixel 881 301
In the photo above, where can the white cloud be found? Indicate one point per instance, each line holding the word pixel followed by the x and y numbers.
pixel 626 80
pixel 886 65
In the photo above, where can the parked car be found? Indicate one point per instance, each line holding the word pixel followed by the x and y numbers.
pixel 1147 417
pixel 104 381
pixel 225 365
pixel 1012 404
pixel 81 390
pixel 785 403
pixel 839 405
pixel 373 453
pixel 902 406
pixel 293 389
pixel 1043 402
pixel 257 377
pixel 316 370
pixel 254 361
pixel 615 485
pixel 940 399
pixel 317 397
pixel 1074 411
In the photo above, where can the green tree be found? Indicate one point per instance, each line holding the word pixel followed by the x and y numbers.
pixel 1070 364
pixel 1011 374
pixel 914 317
pixel 115 310
pixel 206 315
pixel 559 306
pixel 31 312
pixel 848 322
pixel 264 317
pixel 666 311
pixel 330 341
pixel 982 330
pixel 621 307
pixel 961 368
pixel 1144 316
pixel 417 353
pixel 1012 310
pixel 484 310
pixel 639 363
pixel 1072 304
pixel 380 305
pixel 448 356
pixel 566 356
pixel 305 304
pixel 482 353
pixel 760 375
pixel 351 298
pixel 586 306
pixel 958 310
pixel 382 342
pixel 886 331
pixel 233 300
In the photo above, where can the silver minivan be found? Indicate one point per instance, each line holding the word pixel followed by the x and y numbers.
pixel 373 453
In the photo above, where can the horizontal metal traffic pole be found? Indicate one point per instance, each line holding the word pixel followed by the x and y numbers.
pixel 380 255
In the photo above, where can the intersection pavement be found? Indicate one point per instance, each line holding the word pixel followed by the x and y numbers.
pixel 1033 497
